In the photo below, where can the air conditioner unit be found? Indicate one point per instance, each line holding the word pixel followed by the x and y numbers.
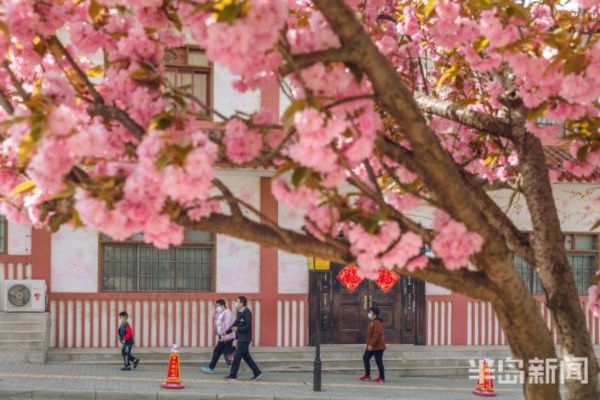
pixel 23 296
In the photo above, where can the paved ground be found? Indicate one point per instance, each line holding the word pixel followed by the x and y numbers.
pixel 30 381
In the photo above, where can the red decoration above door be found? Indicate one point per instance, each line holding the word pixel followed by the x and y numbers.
pixel 386 279
pixel 349 277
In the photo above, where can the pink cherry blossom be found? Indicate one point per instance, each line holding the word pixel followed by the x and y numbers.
pixel 243 144
pixel 454 244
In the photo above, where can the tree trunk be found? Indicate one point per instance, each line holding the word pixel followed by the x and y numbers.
pixel 553 268
pixel 527 336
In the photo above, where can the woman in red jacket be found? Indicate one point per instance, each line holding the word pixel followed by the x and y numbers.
pixel 375 346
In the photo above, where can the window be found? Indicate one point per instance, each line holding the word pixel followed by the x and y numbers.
pixel 134 266
pixel 188 69
pixel 582 254
pixel 3 226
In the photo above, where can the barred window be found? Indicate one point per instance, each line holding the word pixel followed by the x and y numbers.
pixel 188 69
pixel 582 254
pixel 134 266
pixel 3 226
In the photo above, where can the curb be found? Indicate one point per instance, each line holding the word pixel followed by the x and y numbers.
pixel 51 394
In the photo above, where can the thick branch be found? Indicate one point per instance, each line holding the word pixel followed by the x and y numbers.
pixel 447 109
pixel 516 239
pixel 304 60
pixel 436 167
pixel 470 283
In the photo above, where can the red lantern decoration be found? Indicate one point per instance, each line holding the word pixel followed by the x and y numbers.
pixel 386 279
pixel 349 277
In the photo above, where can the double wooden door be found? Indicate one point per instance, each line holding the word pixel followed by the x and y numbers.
pixel 343 316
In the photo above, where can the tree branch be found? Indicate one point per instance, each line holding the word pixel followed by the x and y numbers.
pixel 304 60
pixel 15 81
pixel 5 102
pixel 447 109
pixel 471 283
pixel 98 107
pixel 518 241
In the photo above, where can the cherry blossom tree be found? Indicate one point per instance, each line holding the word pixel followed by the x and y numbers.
pixel 393 105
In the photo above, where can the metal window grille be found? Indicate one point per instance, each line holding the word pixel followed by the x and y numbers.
pixel 582 254
pixel 133 267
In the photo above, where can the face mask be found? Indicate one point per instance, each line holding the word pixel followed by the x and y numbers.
pixel 236 305
pixel 370 315
pixel 220 309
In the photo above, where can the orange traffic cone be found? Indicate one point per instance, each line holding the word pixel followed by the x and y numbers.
pixel 173 375
pixel 485 382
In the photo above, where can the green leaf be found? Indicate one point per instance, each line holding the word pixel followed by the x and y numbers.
pixel 429 7
pixel 537 112
pixel 514 9
pixel 162 121
pixel 23 187
pixel 95 72
pixel 146 77
pixel 481 44
pixel 4 28
pixel 299 175
pixel 230 10
pixel 288 115
pixel 94 10
pixel 63 194
pixel 26 146
pixel 448 75
pixel 77 222
pixel 582 153
pixel 490 160
pixel 575 63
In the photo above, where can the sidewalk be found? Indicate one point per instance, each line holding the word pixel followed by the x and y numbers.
pixel 101 382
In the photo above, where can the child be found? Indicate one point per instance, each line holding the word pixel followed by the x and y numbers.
pixel 126 339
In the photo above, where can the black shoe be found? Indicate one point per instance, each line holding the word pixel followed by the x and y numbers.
pixel 136 362
pixel 126 369
pixel 257 377
pixel 230 378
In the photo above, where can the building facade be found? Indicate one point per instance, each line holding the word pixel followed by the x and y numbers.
pixel 170 294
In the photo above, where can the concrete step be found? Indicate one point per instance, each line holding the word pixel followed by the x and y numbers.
pixel 18 345
pixel 24 316
pixel 37 335
pixel 21 326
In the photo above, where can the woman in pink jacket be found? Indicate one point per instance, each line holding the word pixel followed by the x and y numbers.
pixel 222 320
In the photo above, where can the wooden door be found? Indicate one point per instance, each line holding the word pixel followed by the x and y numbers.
pixel 343 318
pixel 389 306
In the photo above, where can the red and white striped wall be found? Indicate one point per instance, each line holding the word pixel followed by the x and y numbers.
pixel 161 319
pixel 91 320
pixel 439 322
pixel 458 320
pixel 15 271
pixel 292 323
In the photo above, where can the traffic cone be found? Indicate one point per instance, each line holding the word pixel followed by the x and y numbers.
pixel 485 382
pixel 173 376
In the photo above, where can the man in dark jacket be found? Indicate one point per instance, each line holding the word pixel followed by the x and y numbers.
pixel 242 326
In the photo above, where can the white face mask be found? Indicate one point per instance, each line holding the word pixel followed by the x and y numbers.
pixel 220 309
pixel 370 315
pixel 236 305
